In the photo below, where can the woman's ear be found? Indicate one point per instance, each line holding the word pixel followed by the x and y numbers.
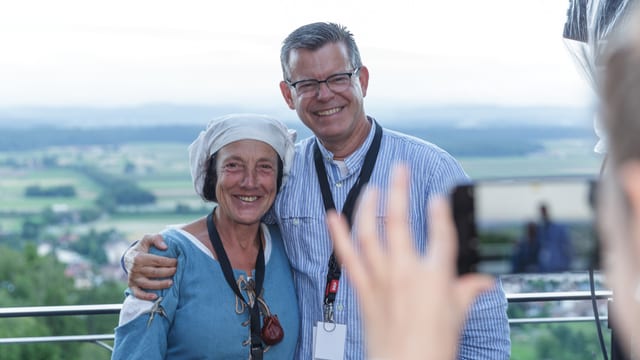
pixel 630 179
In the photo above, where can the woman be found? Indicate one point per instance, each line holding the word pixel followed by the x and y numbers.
pixel 232 295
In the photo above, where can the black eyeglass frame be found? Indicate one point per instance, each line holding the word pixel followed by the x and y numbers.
pixel 317 82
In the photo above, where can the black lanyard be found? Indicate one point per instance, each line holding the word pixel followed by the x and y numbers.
pixel 334 271
pixel 223 259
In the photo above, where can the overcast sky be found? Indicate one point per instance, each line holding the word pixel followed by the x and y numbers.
pixel 130 52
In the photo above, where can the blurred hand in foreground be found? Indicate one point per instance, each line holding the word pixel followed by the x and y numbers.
pixel 414 307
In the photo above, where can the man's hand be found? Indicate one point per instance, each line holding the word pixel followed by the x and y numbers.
pixel 148 271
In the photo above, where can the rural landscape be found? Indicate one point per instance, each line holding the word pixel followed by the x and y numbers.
pixel 74 194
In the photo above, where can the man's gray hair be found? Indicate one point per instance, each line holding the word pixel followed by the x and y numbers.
pixel 314 36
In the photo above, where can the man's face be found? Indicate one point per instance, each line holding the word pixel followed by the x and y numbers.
pixel 332 116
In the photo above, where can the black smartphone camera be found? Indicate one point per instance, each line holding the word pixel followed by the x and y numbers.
pixel 526 225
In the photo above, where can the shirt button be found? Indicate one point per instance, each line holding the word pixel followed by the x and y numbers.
pixel 296 221
pixel 339 184
pixel 340 307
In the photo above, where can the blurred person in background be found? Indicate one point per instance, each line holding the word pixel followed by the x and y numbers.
pixel 554 243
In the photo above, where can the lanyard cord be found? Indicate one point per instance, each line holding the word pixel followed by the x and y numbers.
pixel 334 271
pixel 225 264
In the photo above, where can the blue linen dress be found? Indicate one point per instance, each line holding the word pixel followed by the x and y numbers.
pixel 201 321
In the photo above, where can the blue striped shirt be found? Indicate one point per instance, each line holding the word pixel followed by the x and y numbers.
pixel 301 215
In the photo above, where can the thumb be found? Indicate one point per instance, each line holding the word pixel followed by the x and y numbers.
pixel 158 242
pixel 149 240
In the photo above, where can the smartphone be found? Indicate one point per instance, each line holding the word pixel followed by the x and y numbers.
pixel 526 225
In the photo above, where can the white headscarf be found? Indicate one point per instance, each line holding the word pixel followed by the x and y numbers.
pixel 234 127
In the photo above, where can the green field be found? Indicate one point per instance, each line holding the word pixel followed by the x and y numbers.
pixel 159 168
pixel 13 183
pixel 162 168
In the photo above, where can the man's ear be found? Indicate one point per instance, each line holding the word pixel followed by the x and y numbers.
pixel 286 94
pixel 363 77
pixel 630 179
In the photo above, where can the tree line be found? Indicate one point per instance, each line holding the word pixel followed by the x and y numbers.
pixel 20 139
pixel 68 191
pixel 27 279
pixel 493 140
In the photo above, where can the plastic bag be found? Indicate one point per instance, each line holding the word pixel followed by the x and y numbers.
pixel 589 24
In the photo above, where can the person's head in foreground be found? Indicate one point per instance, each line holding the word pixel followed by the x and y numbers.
pixel 619 195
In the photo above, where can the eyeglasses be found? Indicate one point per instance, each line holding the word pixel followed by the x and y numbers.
pixel 336 83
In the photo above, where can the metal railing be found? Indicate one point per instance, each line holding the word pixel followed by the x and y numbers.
pixel 71 310
pixel 112 309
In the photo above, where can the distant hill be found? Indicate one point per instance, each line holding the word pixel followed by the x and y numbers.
pixel 490 141
pixel 461 130
pixel 388 115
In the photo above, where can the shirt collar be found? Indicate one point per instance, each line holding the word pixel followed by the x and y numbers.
pixel 355 160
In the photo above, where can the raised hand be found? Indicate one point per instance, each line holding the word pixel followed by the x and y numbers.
pixel 413 306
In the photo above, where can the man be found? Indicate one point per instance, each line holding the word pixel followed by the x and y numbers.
pixel 618 208
pixel 555 244
pixel 325 82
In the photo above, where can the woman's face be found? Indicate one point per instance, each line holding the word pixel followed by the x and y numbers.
pixel 246 188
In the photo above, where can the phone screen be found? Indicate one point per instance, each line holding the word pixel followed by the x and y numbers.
pixel 526 226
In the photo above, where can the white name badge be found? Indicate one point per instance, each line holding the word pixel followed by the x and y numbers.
pixel 328 341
